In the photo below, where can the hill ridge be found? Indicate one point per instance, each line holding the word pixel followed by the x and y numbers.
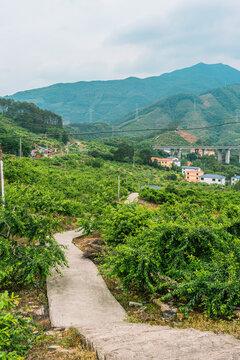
pixel 111 100
pixel 213 107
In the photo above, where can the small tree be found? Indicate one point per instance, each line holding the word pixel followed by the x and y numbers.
pixel 124 152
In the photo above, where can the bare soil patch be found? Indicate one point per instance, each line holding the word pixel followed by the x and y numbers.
pixel 187 136
pixel 91 245
pixel 149 204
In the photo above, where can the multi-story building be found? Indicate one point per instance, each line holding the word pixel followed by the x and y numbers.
pixel 192 173
pixel 190 168
pixel 235 179
pixel 213 179
pixel 166 162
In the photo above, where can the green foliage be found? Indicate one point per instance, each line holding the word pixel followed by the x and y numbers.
pixel 95 128
pixel 124 152
pixel 15 330
pixel 213 107
pixel 187 249
pixel 28 249
pixel 39 193
pixel 145 156
pixel 30 116
pixel 10 145
pixel 124 221
pixel 156 196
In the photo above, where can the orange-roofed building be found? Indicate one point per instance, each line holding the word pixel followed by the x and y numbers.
pixel 193 175
pixel 201 152
pixel 163 161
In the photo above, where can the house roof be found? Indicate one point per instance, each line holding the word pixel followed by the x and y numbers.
pixel 191 168
pixel 151 187
pixel 173 158
pixel 213 176
pixel 165 159
pixel 235 177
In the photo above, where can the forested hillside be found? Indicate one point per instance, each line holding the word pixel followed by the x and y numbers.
pixel 29 122
pixel 111 100
pixel 97 129
pixel 214 107
pixel 30 116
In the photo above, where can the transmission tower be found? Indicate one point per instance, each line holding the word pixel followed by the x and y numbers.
pixel 136 116
pixel 90 115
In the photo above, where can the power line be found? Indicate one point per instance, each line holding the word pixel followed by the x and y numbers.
pixel 152 129
pixel 124 131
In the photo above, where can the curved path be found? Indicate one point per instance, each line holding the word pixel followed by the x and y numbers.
pixel 80 298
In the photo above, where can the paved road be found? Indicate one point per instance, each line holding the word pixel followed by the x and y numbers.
pixel 132 197
pixel 80 298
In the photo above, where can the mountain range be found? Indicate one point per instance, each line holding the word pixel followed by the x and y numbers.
pixel 110 101
pixel 211 109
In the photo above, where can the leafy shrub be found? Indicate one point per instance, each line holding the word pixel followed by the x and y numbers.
pixel 157 196
pixel 197 250
pixel 125 220
pixel 15 330
pixel 28 250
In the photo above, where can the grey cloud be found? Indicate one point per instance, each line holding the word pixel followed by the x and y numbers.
pixel 191 34
pixel 71 40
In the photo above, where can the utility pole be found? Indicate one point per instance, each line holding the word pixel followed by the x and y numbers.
pixel 118 187
pixel 20 147
pixel 2 177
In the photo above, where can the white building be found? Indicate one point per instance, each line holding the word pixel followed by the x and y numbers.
pixel 176 161
pixel 212 179
pixel 235 179
pixel 191 168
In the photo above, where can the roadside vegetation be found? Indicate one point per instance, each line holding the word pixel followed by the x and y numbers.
pixel 42 197
pixel 182 250
pixel 185 251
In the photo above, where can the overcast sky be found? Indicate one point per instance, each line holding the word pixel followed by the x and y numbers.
pixel 49 41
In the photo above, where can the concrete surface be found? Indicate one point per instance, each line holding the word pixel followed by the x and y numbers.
pixel 80 298
pixel 132 197
pixel 128 341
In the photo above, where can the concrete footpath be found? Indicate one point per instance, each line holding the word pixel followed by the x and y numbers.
pixel 80 298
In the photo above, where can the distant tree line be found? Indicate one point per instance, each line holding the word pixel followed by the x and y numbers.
pixel 30 116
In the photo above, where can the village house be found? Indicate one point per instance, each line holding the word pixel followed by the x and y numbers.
pixel 176 161
pixel 40 151
pixel 190 168
pixel 213 179
pixel 201 152
pixel 192 173
pixel 166 162
pixel 235 179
